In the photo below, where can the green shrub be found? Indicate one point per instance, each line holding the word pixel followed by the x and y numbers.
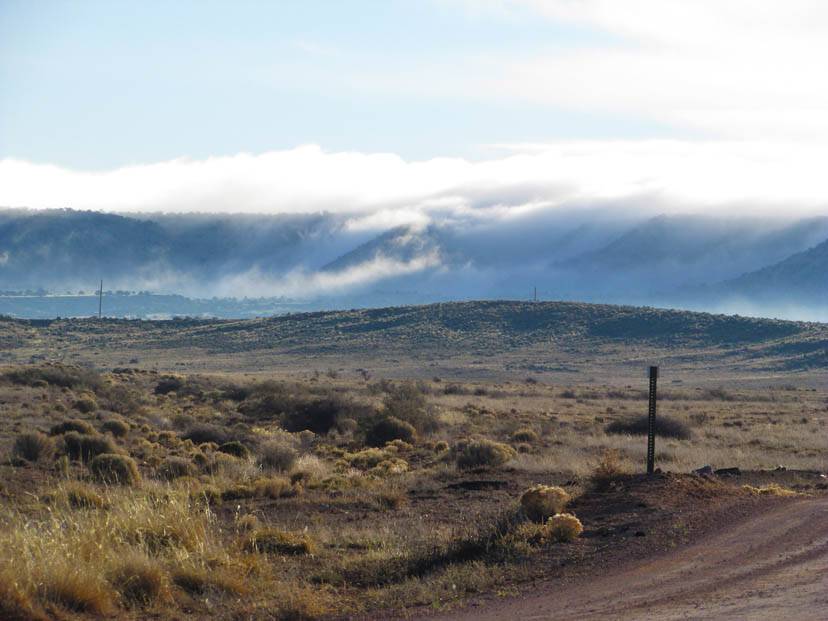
pixel 390 428
pixel 117 428
pixel 235 448
pixel 479 453
pixel 81 426
pixel 85 447
pixel 33 446
pixel 114 468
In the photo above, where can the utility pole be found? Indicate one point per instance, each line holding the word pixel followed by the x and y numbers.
pixel 100 300
pixel 536 294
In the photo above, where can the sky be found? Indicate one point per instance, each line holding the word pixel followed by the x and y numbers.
pixel 397 108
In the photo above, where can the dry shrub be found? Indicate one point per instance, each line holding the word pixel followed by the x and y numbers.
pixel 773 489
pixel 15 603
pixel 235 448
pixel 540 502
pixel 33 446
pixel 201 580
pixel 275 541
pixel 524 435
pixel 390 428
pixel 563 528
pixel 247 522
pixel 665 427
pixel 75 587
pixel 276 455
pixel 441 446
pixel 80 426
pixel 205 432
pixel 483 452
pixel 176 467
pixel 389 467
pixel 274 487
pixel 407 402
pixel 82 496
pixel 85 404
pixel 86 446
pixel 114 468
pixel 117 428
pixel 608 470
pixel 364 459
pixel 138 580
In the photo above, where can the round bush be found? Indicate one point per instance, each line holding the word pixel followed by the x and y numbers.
pixel 117 428
pixel 540 502
pixel 205 432
pixel 81 426
pixel 563 527
pixel 33 446
pixel 277 455
pixel 390 428
pixel 665 427
pixel 235 448
pixel 176 467
pixel 114 468
pixel 138 580
pixel 85 446
pixel 86 404
pixel 478 453
pixel 524 435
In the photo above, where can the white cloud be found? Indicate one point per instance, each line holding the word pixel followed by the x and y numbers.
pixel 732 68
pixel 382 190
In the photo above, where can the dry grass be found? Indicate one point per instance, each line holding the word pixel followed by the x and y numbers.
pixel 316 523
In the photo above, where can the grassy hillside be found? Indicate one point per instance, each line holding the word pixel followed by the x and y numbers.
pixel 478 337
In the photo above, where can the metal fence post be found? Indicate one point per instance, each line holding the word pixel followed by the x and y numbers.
pixel 651 419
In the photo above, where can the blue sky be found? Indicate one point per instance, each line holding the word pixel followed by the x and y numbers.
pixel 100 84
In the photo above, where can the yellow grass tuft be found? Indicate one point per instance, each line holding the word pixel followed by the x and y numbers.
pixel 563 528
pixel 540 502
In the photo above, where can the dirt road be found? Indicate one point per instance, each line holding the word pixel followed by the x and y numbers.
pixel 771 566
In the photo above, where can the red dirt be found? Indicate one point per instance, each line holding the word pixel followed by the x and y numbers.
pixel 767 566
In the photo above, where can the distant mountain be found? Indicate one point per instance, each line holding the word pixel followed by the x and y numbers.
pixel 327 260
pixel 801 278
pixel 705 248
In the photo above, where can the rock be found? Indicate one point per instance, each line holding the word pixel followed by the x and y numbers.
pixel 704 471
pixel 728 472
pixel 780 468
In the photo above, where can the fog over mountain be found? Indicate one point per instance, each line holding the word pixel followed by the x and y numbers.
pixel 755 265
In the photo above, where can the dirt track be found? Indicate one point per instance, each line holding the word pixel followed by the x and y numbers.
pixel 771 566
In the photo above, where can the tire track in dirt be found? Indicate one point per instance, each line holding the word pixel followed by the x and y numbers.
pixel 770 566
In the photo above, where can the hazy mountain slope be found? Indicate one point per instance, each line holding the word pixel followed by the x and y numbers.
pixel 590 254
pixel 802 277
pixel 707 248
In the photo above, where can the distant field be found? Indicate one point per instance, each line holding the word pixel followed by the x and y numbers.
pixel 548 341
